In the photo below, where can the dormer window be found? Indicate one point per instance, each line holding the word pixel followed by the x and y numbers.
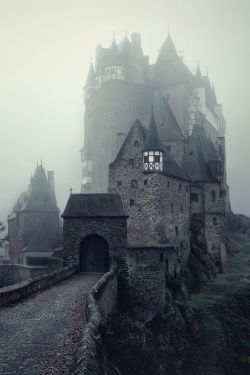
pixel 153 161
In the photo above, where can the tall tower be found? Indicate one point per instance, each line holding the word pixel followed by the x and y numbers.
pixel 122 86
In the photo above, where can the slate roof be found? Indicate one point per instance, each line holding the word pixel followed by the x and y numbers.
pixel 152 141
pixel 201 154
pixel 39 196
pixel 171 168
pixel 168 127
pixel 168 51
pixel 94 205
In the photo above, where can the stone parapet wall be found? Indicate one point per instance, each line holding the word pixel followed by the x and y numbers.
pixel 100 302
pixel 15 273
pixel 17 292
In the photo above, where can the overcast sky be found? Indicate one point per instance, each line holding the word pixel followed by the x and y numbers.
pixel 46 47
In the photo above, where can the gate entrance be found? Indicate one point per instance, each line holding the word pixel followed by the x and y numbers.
pixel 94 254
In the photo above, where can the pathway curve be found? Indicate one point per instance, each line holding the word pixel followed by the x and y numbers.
pixel 38 336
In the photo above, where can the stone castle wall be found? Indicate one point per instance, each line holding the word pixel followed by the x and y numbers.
pixel 113 230
pixel 160 212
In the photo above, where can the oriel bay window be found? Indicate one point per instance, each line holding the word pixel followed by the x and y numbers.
pixel 152 161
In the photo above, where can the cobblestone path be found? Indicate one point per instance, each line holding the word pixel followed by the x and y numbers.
pixel 38 336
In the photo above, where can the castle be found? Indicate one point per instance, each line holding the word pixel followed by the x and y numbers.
pixel 34 224
pixel 153 161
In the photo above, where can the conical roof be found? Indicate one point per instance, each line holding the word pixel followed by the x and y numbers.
pixel 152 142
pixel 91 75
pixel 198 78
pixel 168 51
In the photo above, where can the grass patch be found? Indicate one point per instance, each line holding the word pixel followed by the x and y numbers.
pixel 238 275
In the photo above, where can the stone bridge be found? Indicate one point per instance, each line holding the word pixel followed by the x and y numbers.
pixel 53 331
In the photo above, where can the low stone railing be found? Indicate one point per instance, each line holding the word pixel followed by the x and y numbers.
pixel 16 292
pixel 100 302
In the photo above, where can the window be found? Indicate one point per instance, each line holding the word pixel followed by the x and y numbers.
pixel 213 195
pixel 214 221
pixel 168 147
pixel 134 184
pixel 168 184
pixel 136 144
pixel 172 208
pixel 179 186
pixel 194 197
pixel 176 231
pixel 131 202
pixel 190 152
pixel 145 182
pixel 181 208
pixel 187 189
pixel 131 162
pixel 161 257
pixel 119 183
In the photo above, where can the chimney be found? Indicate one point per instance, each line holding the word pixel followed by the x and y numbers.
pixel 51 181
pixel 136 40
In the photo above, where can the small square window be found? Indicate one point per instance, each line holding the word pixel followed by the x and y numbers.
pixel 146 159
pixel 131 202
pixel 145 182
pixel 157 159
pixel 119 183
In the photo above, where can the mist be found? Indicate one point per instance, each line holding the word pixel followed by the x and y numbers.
pixel 46 48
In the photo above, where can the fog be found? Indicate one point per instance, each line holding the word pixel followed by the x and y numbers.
pixel 46 47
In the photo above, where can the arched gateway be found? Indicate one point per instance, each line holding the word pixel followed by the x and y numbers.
pixel 94 232
pixel 94 254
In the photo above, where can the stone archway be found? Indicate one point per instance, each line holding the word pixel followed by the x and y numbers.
pixel 94 254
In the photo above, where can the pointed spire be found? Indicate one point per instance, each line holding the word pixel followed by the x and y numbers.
pixel 168 51
pixel 152 142
pixel 91 75
pixel 198 76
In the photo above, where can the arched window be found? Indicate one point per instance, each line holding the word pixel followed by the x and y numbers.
pixel 136 144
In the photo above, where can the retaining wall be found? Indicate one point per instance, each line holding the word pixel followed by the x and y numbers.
pixel 100 302
pixel 15 293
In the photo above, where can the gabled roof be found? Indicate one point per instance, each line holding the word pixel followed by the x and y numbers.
pixel 168 127
pixel 94 205
pixel 91 75
pixel 168 51
pixel 135 125
pixel 201 155
pixel 152 141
